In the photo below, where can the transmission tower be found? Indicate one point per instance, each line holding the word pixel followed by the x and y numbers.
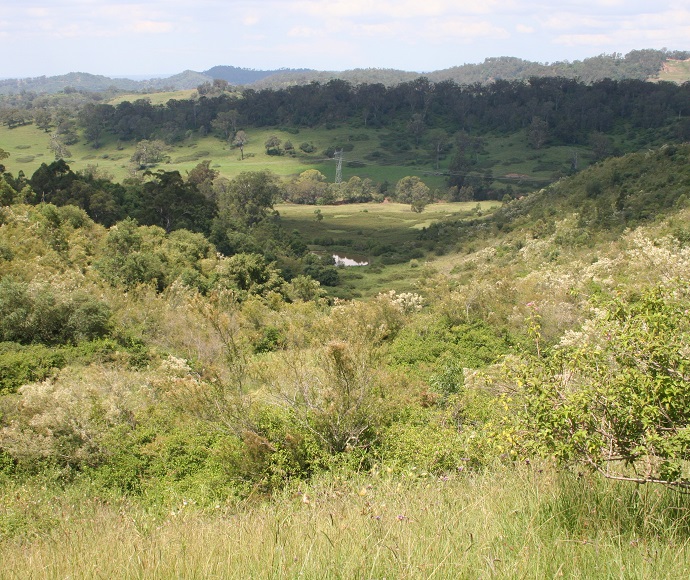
pixel 338 156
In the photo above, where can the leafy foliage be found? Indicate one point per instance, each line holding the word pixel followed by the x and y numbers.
pixel 35 314
pixel 614 396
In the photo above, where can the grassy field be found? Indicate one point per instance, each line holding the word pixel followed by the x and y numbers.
pixel 509 159
pixel 353 228
pixel 28 148
pixel 524 522
pixel 154 98
pixel 676 71
pixel 388 222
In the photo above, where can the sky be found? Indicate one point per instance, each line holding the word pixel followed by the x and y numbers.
pixel 159 37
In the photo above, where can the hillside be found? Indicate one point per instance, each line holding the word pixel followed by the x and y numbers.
pixel 464 142
pixel 79 81
pixel 638 64
pixel 243 76
pixel 179 383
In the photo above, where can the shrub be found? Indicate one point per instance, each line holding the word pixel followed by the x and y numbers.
pixel 471 344
pixel 424 443
pixel 20 365
pixel 614 396
pixel 63 421
pixel 34 314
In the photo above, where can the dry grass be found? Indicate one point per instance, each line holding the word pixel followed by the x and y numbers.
pixel 676 71
pixel 504 524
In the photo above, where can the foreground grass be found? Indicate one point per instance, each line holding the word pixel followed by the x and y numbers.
pixel 506 523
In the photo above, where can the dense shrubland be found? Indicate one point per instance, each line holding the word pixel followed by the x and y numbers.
pixel 140 364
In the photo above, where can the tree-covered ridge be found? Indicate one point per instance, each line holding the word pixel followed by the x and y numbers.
pixel 462 132
pixel 570 110
pixel 635 65
pixel 87 82
pixel 642 64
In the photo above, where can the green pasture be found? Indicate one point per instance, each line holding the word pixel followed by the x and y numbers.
pixel 512 161
pixel 508 159
pixel 362 231
pixel 28 148
pixel 385 222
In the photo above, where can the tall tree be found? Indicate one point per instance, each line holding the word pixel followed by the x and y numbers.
pixel 240 141
pixel 148 153
pixel 43 119
pixel 248 197
pixel 3 155
pixel 167 201
pixel 272 145
pixel 416 126
pixel 538 132
pixel 438 139
pixel 226 123
pixel 202 177
pixel 414 191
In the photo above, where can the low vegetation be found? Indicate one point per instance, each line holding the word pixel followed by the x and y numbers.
pixel 190 385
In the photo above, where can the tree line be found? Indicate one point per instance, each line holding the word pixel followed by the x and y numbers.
pixel 570 110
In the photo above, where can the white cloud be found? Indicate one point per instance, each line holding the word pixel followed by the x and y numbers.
pixel 402 9
pixel 305 32
pixel 396 30
pixel 37 12
pixel 250 20
pixel 571 20
pixel 466 29
pixel 592 40
pixel 151 26
pixel 524 29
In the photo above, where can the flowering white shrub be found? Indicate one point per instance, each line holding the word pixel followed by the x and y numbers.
pixel 64 419
pixel 405 301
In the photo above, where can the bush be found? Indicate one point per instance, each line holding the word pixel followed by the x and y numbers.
pixel 473 345
pixel 64 421
pixel 34 314
pixel 614 397
pixel 425 444
pixel 20 365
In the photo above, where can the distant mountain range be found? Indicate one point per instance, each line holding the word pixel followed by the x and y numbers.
pixel 638 64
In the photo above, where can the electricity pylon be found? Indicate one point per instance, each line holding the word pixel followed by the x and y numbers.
pixel 338 156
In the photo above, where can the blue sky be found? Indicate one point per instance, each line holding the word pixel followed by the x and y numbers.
pixel 129 37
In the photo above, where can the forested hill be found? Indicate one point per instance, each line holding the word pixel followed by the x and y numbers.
pixel 245 76
pixel 81 81
pixel 638 64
